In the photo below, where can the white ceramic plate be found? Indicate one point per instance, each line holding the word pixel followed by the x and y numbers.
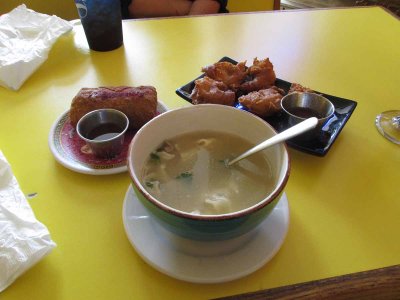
pixel 203 262
pixel 71 152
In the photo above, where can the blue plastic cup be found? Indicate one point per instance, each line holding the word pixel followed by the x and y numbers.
pixel 102 23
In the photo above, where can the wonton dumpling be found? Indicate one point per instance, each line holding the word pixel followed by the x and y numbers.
pixel 218 204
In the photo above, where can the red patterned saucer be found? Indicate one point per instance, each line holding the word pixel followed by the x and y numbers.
pixel 73 153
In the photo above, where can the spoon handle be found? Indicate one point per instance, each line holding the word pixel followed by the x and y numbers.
pixel 283 136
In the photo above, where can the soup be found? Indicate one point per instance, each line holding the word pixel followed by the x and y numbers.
pixel 190 173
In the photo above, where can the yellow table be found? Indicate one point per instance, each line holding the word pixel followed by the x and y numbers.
pixel 344 207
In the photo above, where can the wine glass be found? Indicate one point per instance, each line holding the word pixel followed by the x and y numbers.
pixel 388 124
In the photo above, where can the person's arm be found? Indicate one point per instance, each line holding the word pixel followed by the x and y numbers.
pixel 202 7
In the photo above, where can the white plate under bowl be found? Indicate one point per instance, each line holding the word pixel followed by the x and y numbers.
pixel 70 151
pixel 198 261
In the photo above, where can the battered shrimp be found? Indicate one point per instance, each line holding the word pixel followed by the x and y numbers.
pixel 262 74
pixel 207 90
pixel 230 74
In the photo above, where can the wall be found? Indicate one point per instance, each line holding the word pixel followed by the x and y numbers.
pixel 65 9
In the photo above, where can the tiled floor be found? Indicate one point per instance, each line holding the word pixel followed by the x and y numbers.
pixel 391 5
pixel 315 3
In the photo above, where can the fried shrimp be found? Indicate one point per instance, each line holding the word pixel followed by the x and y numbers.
pixel 207 90
pixel 295 87
pixel 262 76
pixel 230 74
pixel 263 103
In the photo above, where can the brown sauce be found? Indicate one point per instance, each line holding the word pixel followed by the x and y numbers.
pixel 104 132
pixel 305 112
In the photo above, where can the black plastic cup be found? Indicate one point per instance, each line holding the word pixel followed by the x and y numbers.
pixel 102 23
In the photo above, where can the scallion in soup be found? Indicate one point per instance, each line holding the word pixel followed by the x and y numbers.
pixel 189 172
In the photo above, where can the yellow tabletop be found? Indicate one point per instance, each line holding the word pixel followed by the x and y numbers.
pixel 344 207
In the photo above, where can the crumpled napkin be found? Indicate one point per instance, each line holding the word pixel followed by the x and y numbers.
pixel 23 239
pixel 26 38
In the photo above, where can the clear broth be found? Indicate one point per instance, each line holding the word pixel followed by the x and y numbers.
pixel 189 173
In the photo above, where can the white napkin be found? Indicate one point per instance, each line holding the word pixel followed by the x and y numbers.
pixel 23 239
pixel 26 38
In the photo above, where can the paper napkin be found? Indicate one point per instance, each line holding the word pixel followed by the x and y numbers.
pixel 26 38
pixel 23 239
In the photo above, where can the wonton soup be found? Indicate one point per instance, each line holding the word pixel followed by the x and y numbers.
pixel 189 173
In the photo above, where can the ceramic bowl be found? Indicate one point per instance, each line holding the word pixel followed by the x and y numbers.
pixel 213 118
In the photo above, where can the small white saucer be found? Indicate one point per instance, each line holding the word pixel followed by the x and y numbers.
pixel 203 262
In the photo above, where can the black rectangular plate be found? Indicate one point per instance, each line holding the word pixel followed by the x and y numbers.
pixel 329 133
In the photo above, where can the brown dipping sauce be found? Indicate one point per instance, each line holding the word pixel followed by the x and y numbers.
pixel 305 112
pixel 104 132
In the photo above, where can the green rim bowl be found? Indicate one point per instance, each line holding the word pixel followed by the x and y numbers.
pixel 200 118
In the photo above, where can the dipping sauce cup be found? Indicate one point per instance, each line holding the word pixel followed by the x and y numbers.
pixel 301 106
pixel 103 130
